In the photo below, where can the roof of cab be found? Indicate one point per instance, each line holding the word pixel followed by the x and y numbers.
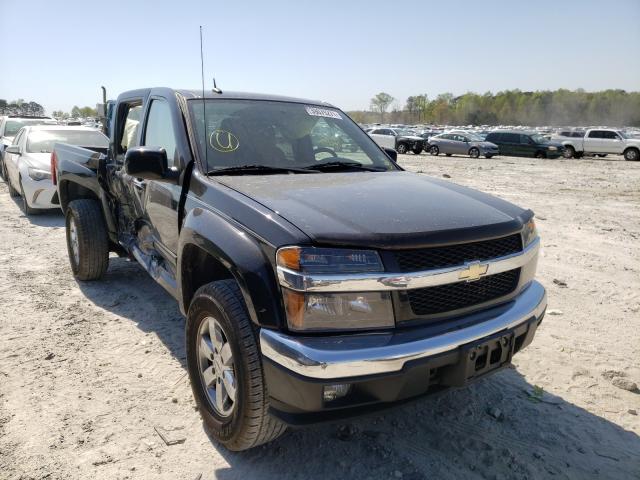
pixel 226 95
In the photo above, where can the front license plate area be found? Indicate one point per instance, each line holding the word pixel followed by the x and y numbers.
pixel 487 356
pixel 479 358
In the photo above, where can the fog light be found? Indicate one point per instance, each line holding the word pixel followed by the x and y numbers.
pixel 332 392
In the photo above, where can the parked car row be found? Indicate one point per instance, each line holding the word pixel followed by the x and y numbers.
pixel 598 141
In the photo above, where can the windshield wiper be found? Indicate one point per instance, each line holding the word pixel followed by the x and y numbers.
pixel 340 165
pixel 249 169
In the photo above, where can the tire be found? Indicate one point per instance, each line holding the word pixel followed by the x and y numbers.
pixel 601 155
pixel 402 148
pixel 87 239
pixel 25 205
pixel 448 154
pixel 540 155
pixel 417 151
pixel 569 152
pixel 434 150
pixel 219 305
pixel 632 154
pixel 474 152
pixel 2 174
pixel 488 156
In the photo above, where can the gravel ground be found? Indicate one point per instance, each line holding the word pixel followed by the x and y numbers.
pixel 90 372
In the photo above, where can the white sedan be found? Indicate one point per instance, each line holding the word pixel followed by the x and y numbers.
pixel 28 161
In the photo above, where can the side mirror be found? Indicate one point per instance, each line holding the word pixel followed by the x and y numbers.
pixel 148 163
pixel 391 153
pixel 15 149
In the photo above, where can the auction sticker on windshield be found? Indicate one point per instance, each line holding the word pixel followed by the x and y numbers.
pixel 323 112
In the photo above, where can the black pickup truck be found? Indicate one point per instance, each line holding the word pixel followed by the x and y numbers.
pixel 310 292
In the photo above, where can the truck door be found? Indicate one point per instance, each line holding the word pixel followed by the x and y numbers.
pixel 131 190
pixel 612 142
pixel 593 142
pixel 163 198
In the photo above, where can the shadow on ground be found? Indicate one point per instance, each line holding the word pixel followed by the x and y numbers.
pixel 499 427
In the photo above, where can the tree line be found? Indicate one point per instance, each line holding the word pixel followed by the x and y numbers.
pixel 20 107
pixel 510 107
pixel 76 112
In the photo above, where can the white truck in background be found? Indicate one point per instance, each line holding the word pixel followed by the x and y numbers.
pixel 599 141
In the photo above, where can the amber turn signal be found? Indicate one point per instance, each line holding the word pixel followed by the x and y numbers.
pixel 289 257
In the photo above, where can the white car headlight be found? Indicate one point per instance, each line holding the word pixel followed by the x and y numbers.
pixel 551 147
pixel 314 311
pixel 38 174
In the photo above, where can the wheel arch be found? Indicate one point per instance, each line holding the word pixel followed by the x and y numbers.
pixel 210 249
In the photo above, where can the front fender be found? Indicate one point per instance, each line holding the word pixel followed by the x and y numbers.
pixel 242 255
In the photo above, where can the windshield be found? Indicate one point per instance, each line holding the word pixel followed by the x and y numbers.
pixel 279 134
pixel 539 138
pixel 13 126
pixel 42 141
pixel 407 133
pixel 474 137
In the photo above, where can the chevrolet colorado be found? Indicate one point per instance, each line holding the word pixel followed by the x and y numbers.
pixel 310 293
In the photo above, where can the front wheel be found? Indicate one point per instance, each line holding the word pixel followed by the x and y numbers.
pixel 224 366
pixel 87 239
pixel 632 155
pixel 417 150
pixel 434 150
pixel 474 152
pixel 401 148
pixel 488 156
pixel 25 203
pixel 540 155
pixel 569 152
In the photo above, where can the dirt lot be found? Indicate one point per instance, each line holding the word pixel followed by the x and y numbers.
pixel 89 371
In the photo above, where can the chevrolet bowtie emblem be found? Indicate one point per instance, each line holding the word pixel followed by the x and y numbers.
pixel 473 271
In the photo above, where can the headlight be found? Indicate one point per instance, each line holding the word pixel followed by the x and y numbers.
pixel 529 233
pixel 38 174
pixel 337 310
pixel 552 147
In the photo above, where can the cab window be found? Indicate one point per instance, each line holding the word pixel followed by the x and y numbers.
pixel 128 130
pixel 159 131
pixel 595 134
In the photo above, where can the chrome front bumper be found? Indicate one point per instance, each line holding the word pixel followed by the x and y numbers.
pixel 356 355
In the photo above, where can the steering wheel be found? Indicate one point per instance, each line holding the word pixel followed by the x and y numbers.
pixel 328 150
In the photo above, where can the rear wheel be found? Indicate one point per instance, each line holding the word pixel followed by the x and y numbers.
pixel 632 154
pixel 540 155
pixel 474 152
pixel 87 239
pixel 225 369
pixel 569 152
pixel 401 148
pixel 417 150
pixel 434 150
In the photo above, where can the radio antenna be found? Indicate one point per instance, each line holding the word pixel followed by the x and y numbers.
pixel 204 106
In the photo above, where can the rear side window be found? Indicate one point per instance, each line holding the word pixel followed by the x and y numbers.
pixel 129 120
pixel 494 137
pixel 159 131
pixel 511 137
pixel 595 134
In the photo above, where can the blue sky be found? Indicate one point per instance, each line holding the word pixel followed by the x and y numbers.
pixel 58 53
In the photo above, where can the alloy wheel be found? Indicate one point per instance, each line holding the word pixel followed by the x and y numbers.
pixel 215 361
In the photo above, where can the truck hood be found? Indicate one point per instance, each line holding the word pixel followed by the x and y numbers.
pixel 381 210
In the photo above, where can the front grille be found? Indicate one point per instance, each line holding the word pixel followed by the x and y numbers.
pixel 444 298
pixel 452 255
